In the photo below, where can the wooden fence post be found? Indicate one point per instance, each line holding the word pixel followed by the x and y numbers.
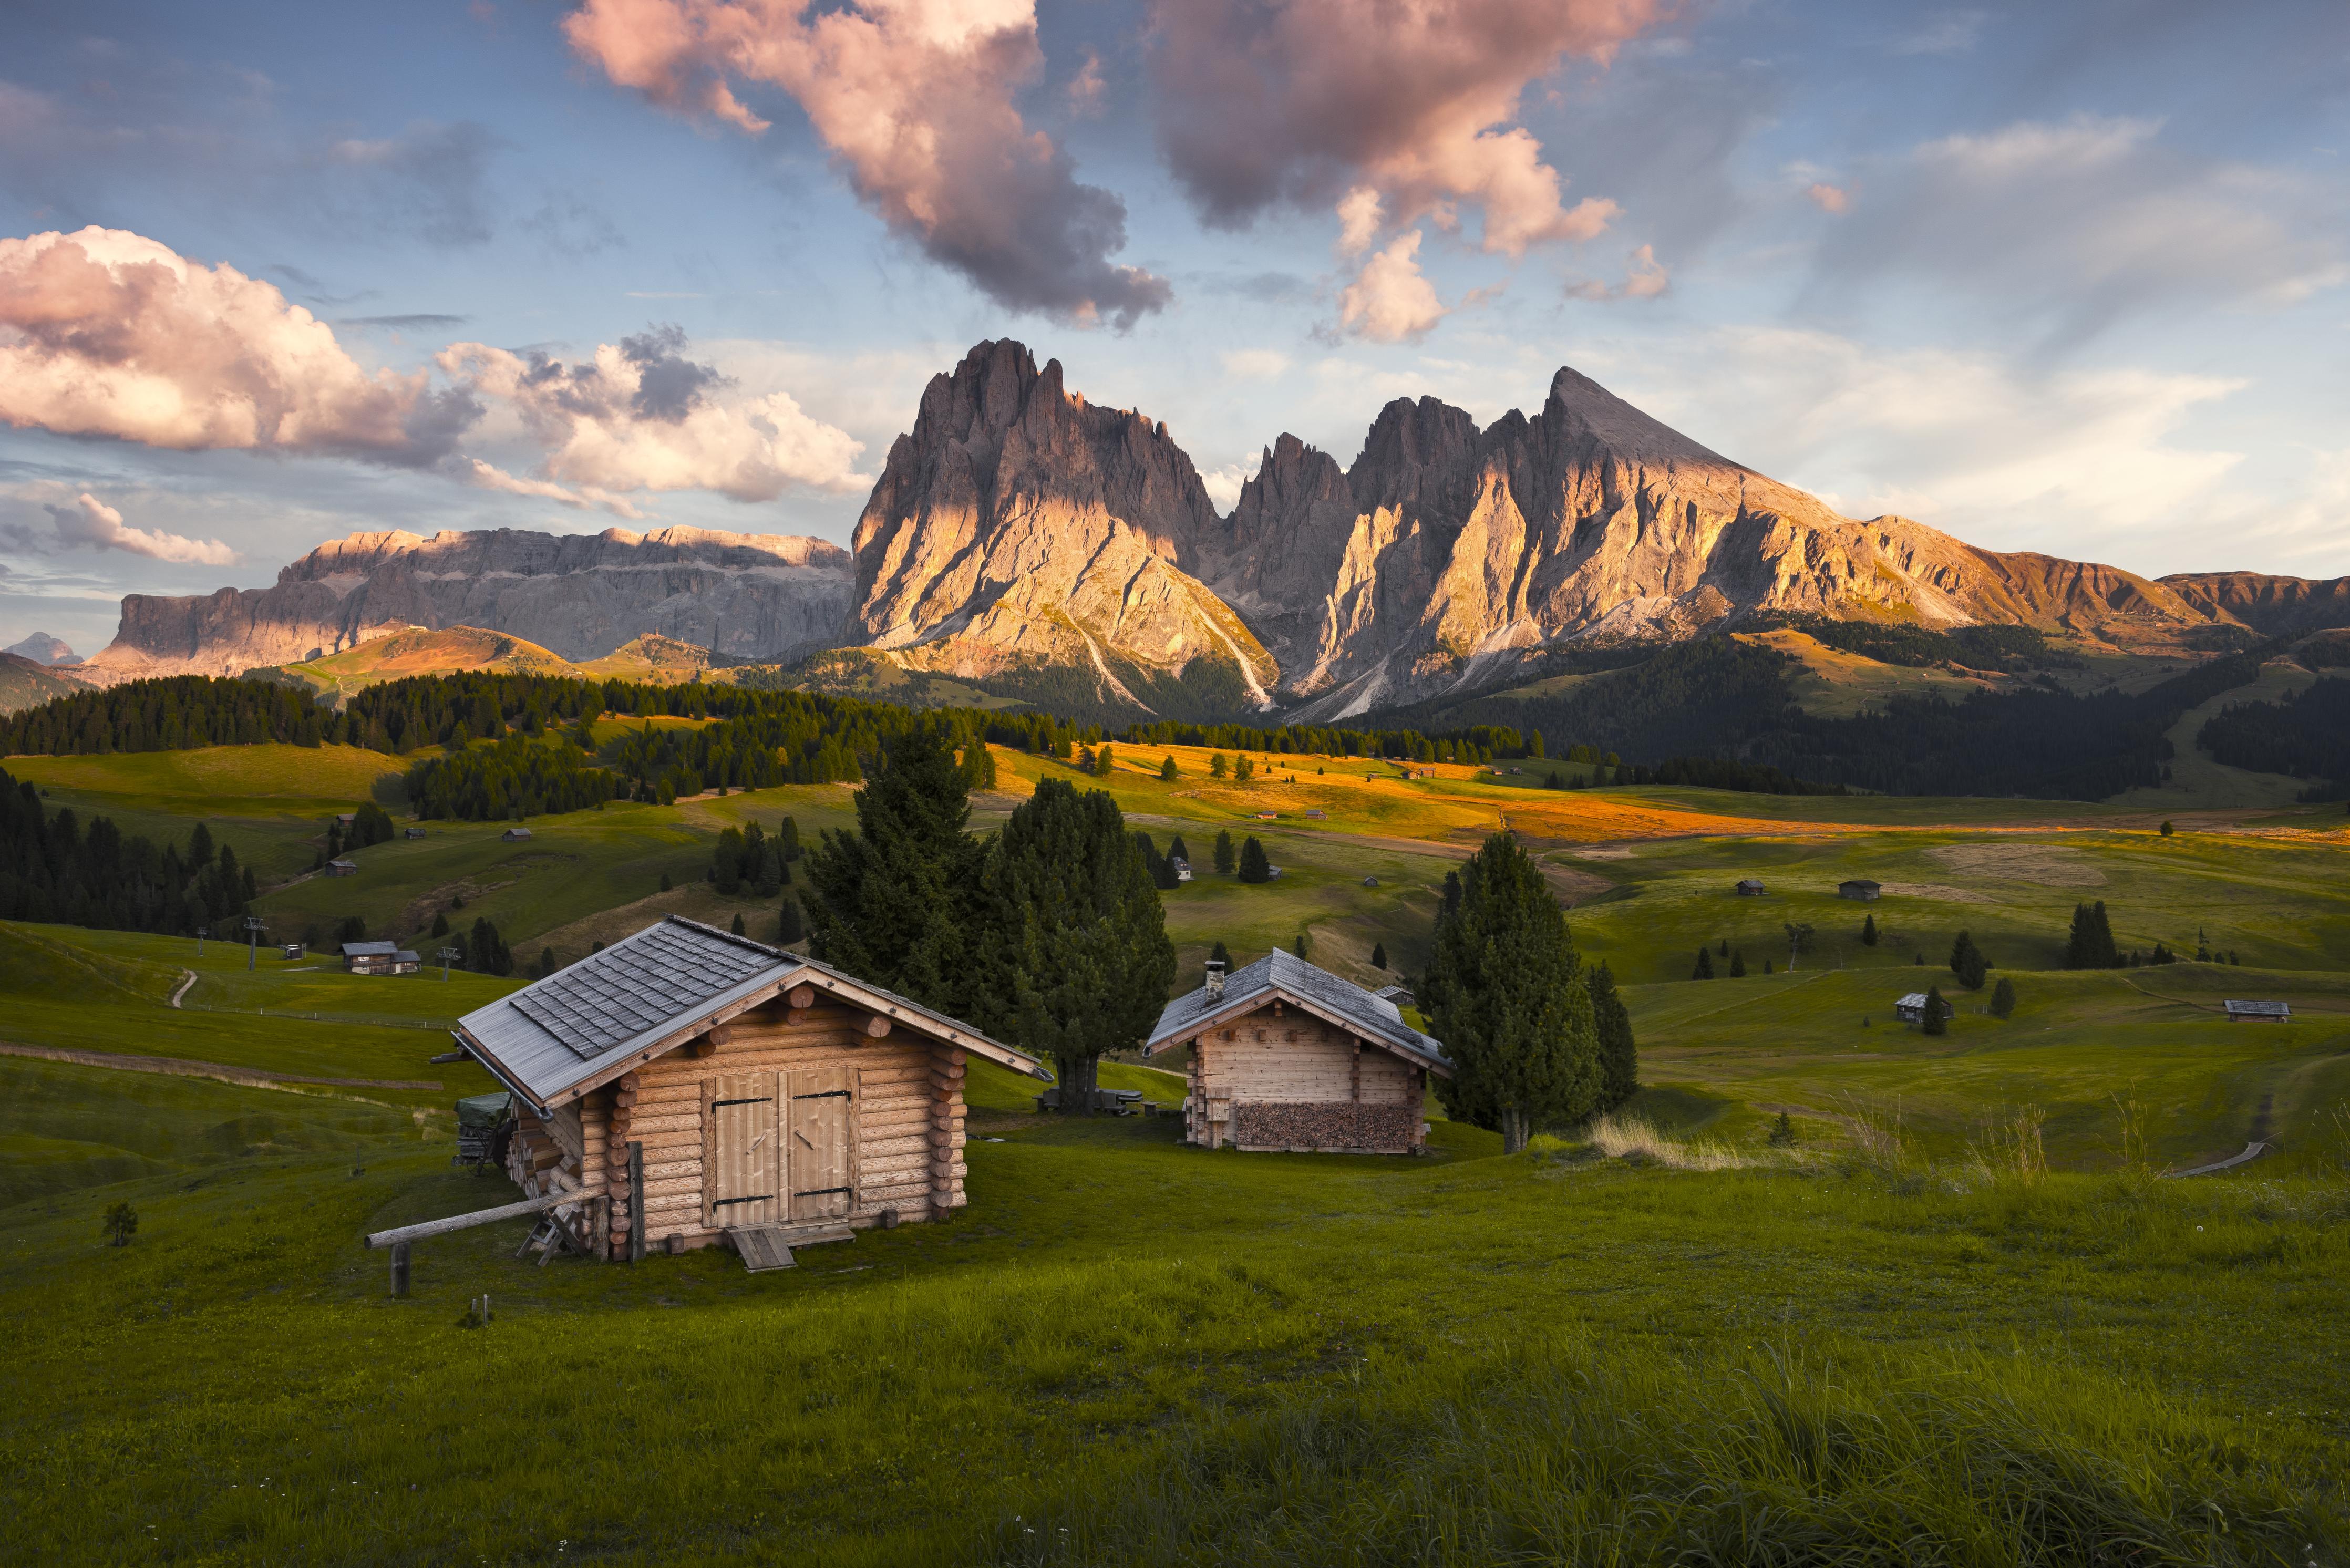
pixel 399 1268
pixel 636 1202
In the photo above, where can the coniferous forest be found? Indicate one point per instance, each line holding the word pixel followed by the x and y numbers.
pixel 54 869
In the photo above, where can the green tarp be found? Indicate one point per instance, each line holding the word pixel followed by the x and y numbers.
pixel 482 1112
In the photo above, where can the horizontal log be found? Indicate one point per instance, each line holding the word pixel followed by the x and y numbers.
pixel 884 1147
pixel 649 1128
pixel 878 1167
pixel 478 1216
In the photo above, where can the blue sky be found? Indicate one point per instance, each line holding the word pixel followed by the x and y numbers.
pixel 2066 278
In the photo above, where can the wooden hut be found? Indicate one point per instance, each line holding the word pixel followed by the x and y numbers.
pixel 1751 888
pixel 1861 889
pixel 1284 1057
pixel 376 957
pixel 2258 1012
pixel 770 1100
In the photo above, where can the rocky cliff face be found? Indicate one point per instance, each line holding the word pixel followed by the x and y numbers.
pixel 2272 607
pixel 1017 526
pixel 753 595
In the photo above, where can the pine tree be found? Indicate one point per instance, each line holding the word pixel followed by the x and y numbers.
pixel 1223 955
pixel 1620 1056
pixel 738 928
pixel 1968 963
pixel 441 924
pixel 2003 998
pixel 2090 944
pixel 792 925
pixel 1936 1019
pixel 1217 768
pixel 1226 856
pixel 1379 956
pixel 1079 962
pixel 1704 965
pixel 1303 944
pixel 894 901
pixel 546 956
pixel 1868 930
pixel 1254 867
pixel 486 950
pixel 1738 964
pixel 1504 993
pixel 1244 769
pixel 1724 949
pixel 1166 770
pixel 1103 762
pixel 1176 850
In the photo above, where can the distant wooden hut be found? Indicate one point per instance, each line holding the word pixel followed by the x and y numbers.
pixel 413 833
pixel 377 958
pixel 1911 1009
pixel 1750 888
pixel 1182 868
pixel 1860 888
pixel 1284 1057
pixel 515 834
pixel 770 1101
pixel 342 865
pixel 2258 1013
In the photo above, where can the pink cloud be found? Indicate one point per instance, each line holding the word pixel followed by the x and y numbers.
pixel 92 522
pixel 1645 277
pixel 1267 101
pixel 915 99
pixel 105 333
pixel 1390 301
pixel 1831 198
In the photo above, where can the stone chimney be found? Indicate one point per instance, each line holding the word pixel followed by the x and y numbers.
pixel 1216 978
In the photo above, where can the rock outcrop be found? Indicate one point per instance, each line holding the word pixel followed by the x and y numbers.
pixel 2272 607
pixel 750 596
pixel 43 648
pixel 1017 526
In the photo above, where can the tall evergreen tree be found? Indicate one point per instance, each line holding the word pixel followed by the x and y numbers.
pixel 2003 998
pixel 1254 867
pixel 1938 1012
pixel 1967 961
pixel 894 901
pixel 1868 930
pixel 1504 993
pixel 1704 969
pixel 1738 964
pixel 1226 856
pixel 1166 770
pixel 1620 1056
pixel 1080 962
pixel 1379 956
pixel 2090 944
pixel 791 925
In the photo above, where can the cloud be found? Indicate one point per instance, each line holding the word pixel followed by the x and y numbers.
pixel 412 323
pixel 105 333
pixel 1830 198
pixel 91 522
pixel 1087 93
pixel 1296 101
pixel 429 181
pixel 1390 302
pixel 639 416
pixel 1947 33
pixel 490 477
pixel 1644 278
pixel 2080 223
pixel 569 226
pixel 915 99
pixel 1254 364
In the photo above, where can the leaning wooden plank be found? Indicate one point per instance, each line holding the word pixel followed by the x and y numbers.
pixel 466 1222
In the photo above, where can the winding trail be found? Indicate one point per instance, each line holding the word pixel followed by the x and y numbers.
pixel 187 980
pixel 179 1067
pixel 2251 1151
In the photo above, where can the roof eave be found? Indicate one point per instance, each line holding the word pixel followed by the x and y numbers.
pixel 1241 1006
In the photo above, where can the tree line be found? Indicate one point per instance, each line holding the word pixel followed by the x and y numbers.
pixel 2304 734
pixel 53 869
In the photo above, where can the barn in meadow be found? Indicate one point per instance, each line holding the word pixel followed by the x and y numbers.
pixel 1286 1057
pixel 759 1099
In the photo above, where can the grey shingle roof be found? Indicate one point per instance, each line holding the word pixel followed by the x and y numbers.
pixel 369 950
pixel 2263 1009
pixel 1283 973
pixel 580 1025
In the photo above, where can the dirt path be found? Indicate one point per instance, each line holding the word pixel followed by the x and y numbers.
pixel 2251 1151
pixel 246 1077
pixel 187 979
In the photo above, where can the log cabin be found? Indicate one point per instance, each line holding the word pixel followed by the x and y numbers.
pixel 771 1098
pixel 1287 1058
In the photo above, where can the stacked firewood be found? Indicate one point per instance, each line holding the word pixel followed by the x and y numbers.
pixel 1327 1125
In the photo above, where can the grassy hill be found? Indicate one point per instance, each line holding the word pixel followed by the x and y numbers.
pixel 423 651
pixel 27 683
pixel 1141 1353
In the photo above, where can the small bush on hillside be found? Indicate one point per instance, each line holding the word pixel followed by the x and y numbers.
pixel 121 1223
pixel 2003 998
pixel 1783 1132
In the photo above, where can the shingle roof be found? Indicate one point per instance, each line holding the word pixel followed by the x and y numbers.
pixel 369 950
pixel 2264 1009
pixel 1915 999
pixel 646 992
pixel 1283 973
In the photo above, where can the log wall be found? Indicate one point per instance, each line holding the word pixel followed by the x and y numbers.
pixel 907 1130
pixel 1277 1078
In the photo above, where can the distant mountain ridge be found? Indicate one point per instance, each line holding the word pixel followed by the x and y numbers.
pixel 1022 537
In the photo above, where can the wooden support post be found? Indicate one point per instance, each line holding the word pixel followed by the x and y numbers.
pixel 399 1268
pixel 1357 1093
pixel 636 1203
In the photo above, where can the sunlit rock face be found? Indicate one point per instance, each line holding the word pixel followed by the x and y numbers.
pixel 750 596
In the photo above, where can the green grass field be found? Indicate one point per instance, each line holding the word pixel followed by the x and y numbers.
pixel 1962 1320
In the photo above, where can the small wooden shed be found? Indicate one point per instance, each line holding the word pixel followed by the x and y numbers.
pixel 772 1100
pixel 377 958
pixel 1751 888
pixel 1860 888
pixel 1286 1057
pixel 2258 1012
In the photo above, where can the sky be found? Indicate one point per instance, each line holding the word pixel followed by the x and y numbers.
pixel 2069 278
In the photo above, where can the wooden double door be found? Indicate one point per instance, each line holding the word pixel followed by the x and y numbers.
pixel 781 1148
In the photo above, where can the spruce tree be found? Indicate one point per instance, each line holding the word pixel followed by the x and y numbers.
pixel 2003 998
pixel 1177 850
pixel 791 925
pixel 1936 1019
pixel 1968 963
pixel 1254 867
pixel 1226 856
pixel 737 927
pixel 1868 930
pixel 894 902
pixel 1379 956
pixel 1738 964
pixel 1079 959
pixel 1504 995
pixel 1704 965
pixel 1303 944
pixel 1166 770
pixel 1619 1057
pixel 1223 955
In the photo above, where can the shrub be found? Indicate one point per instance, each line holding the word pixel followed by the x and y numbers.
pixel 2003 998
pixel 121 1223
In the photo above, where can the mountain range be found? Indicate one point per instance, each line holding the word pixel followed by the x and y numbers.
pixel 1023 539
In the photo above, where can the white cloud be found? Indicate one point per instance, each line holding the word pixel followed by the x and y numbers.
pixel 489 476
pixel 90 522
pixel 1645 277
pixel 1946 33
pixel 1254 364
pixel 1830 198
pixel 1390 301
